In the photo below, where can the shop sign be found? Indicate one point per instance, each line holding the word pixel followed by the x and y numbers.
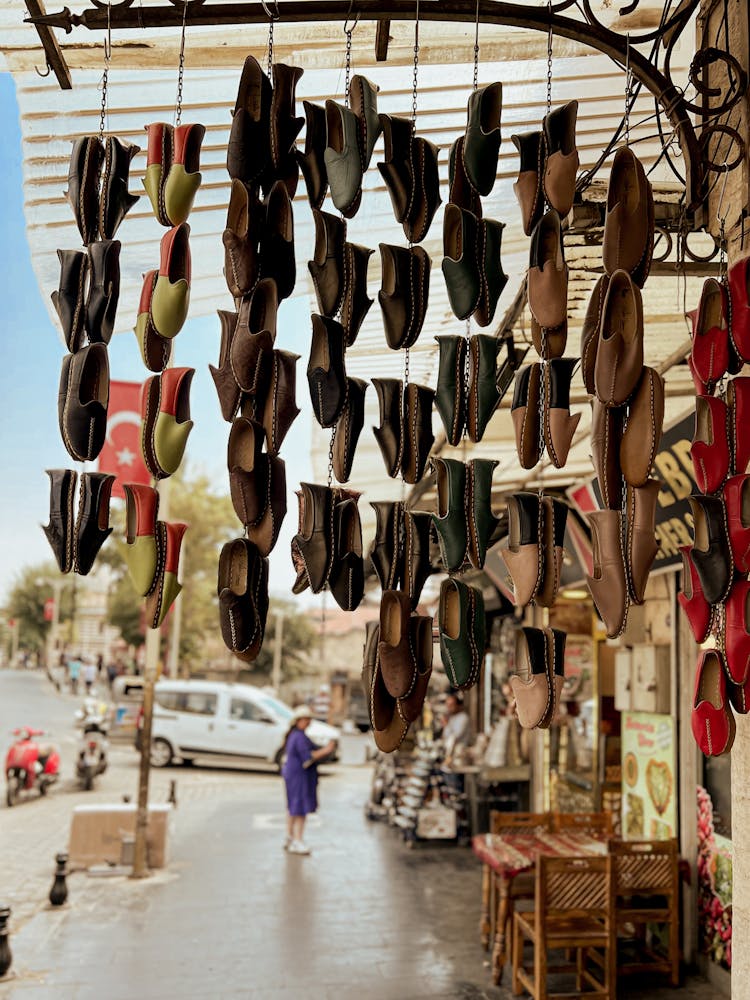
pixel 649 788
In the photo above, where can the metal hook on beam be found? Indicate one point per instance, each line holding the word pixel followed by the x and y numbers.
pixel 269 13
pixel 39 72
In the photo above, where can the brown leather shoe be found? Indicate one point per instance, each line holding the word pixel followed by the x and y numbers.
pixel 642 436
pixel 285 126
pixel 619 356
pixel 312 546
pixel 312 160
pixel 390 433
pixel 226 385
pixel 277 258
pixel 559 423
pixel 404 293
pixel 397 660
pixel 250 351
pixel 265 532
pixel 554 517
pixel 608 585
pixel 249 148
pixel 528 187
pixel 523 558
pixel 356 303
pixel 241 238
pixel 628 241
pixel 525 414
pixel 534 688
pixel 347 579
pixel 548 286
pixel 641 542
pixel 280 409
pixel 561 163
pixel 410 708
pixel 388 728
pixel 590 332
pixel 243 597
pixel 348 428
pixel 248 470
pixel 386 553
pixel 326 373
pixel 328 266
pixel 606 436
pixel 425 195
pixel 418 438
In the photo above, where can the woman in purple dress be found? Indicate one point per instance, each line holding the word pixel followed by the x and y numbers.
pixel 300 772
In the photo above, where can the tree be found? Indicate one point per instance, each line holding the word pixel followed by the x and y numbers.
pixel 298 642
pixel 32 587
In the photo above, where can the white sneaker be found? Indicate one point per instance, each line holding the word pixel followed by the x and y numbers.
pixel 297 847
pixel 287 843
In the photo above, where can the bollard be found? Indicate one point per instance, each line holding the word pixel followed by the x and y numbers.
pixel 6 956
pixel 172 799
pixel 59 891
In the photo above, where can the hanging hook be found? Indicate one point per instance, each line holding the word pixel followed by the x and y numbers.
pixel 108 39
pixel 721 219
pixel 347 29
pixel 270 14
pixel 39 72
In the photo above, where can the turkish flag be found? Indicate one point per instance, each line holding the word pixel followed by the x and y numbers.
pixel 121 454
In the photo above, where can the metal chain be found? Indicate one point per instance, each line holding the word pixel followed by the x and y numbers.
pixel 181 70
pixel 549 58
pixel 347 77
pixel 330 459
pixel 542 395
pixel 721 218
pixel 628 90
pixel 476 47
pixel 406 369
pixel 105 73
pixel 270 47
pixel 416 71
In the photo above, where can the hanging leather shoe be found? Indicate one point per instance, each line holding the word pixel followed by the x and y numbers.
pixel 590 332
pixel 386 551
pixel 59 532
pixel 416 554
pixel 277 243
pixel 736 494
pixel 390 433
pixel 396 170
pixel 534 692
pixel 347 579
pixel 641 545
pixel 82 402
pixel 155 349
pixel 710 334
pixel 547 284
pixel 240 239
pixel 226 385
pixel 628 241
pixel 285 126
pixel 738 407
pixel 388 728
pixel 312 160
pixel 395 650
pixel 171 296
pixel 328 266
pixel 184 177
pixel 619 355
pixel 491 275
pixel 84 174
pixel 104 290
pixel 460 264
pixel 692 599
pixel 528 187
pixel 425 195
pixel 243 591
pixel 248 470
pixel 481 522
pixel 450 399
pixel 326 374
pixel 69 299
pixel 737 641
pixel 265 532
pixel 640 442
pixel 483 393
pixel 523 558
pixel 418 438
pixel 525 415
pixel 356 303
pixel 711 551
pixel 482 142
pixel 450 521
pixel 559 423
pixel 116 201
pixel 709 451
pixel 348 428
pixel 404 293
pixel 166 423
pixel 251 350
pixel 159 149
pixel 312 546
pixel 141 536
pixel 410 708
pixel 363 97
pixel 608 585
pixel 462 632
pixel 249 148
pixel 460 191
pixel 712 721
pixel 280 408
pixel 342 158
pixel 738 283
pixel 555 517
pixel 561 163
pixel 606 448
pixel 92 524
pixel 167 588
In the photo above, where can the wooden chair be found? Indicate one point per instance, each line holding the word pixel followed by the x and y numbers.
pixel 573 912
pixel 646 891
pixel 597 824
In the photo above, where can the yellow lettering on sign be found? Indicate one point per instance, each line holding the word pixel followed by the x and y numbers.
pixel 674 478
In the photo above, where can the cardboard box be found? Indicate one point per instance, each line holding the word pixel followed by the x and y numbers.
pixel 97 831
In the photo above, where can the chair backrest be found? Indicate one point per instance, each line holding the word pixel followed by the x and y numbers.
pixel 645 867
pixel 596 824
pixel 579 887
pixel 518 823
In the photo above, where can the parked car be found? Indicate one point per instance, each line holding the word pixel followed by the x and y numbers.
pixel 127 699
pixel 213 720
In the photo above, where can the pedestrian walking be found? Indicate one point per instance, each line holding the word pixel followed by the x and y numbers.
pixel 300 772
pixel 74 672
pixel 89 674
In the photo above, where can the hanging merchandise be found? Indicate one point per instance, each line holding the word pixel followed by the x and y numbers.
pixel 538 696
pixel 76 539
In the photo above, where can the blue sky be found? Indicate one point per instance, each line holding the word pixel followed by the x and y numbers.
pixel 30 371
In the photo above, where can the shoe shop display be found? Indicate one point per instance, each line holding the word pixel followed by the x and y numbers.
pixel 312 546
pixel 312 158
pixel 69 299
pixel 116 200
pixel 249 149
pixel 355 303
pixel 528 187
pixel 75 539
pixel 342 158
pixel 243 598
pixel 628 242
pixel 348 429
pixel 168 587
pixel 561 157
pixel 738 282
pixel 609 586
pixel 83 400
pixel 328 266
pixel 326 372
pixel 692 599
pixel 461 624
pixel 709 451
pixel 535 691
pixel 404 293
pixel 712 720
pixel 710 335
pixel 171 295
pixel 559 424
pixel 482 139
pixel 640 441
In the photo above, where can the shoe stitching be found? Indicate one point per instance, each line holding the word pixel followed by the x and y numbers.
pixel 82 189
pixel 104 200
pixel 75 333
pixel 69 541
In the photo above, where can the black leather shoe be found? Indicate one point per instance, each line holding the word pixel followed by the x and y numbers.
pixel 348 428
pixel 265 533
pixel 450 399
pixel 59 531
pixel 711 551
pixel 524 412
pixel 416 555
pixel 326 373
pixel 248 470
pixel 460 264
pixel 386 549
pixel 83 400
pixel 104 290
pixel 92 524
pixel 69 299
pixel 404 293
pixel 491 275
pixel 396 170
pixel 559 423
pixel 390 433
pixel 277 259
pixel 356 302
pixel 312 546
pixel 425 196
pixel 116 201
pixel 83 185
pixel 285 125
pixel 418 438
pixel 484 395
pixel 280 408
pixel 312 160
pixel 460 190
pixel 347 578
pixel 243 597
pixel 249 147
pixel 328 266
pixel 481 521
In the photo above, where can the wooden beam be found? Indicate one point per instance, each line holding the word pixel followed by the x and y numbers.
pixel 382 37
pixel 52 51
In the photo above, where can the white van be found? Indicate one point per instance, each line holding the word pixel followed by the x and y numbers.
pixel 233 723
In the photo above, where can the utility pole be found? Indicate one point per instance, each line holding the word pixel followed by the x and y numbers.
pixel 173 662
pixel 277 649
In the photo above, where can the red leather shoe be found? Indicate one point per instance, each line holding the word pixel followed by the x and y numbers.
pixel 737 502
pixel 710 448
pixel 700 388
pixel 738 646
pixel 738 403
pixel 711 333
pixel 711 719
pixel 739 307
pixel 692 599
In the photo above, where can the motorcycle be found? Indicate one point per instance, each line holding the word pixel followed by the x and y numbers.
pixel 29 765
pixel 92 748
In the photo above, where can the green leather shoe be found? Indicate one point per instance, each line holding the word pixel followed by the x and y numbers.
pixel 155 350
pixel 158 161
pixel 141 536
pixel 171 297
pixel 482 142
pixel 173 425
pixel 482 522
pixel 462 632
pixel 484 395
pixel 449 398
pixel 184 178
pixel 342 159
pixel 491 273
pixel 364 103
pixel 450 520
pixel 167 588
pixel 460 267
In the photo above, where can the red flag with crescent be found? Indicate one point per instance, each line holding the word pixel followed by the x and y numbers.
pixel 121 454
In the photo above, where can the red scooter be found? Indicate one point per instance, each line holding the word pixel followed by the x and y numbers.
pixel 29 765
